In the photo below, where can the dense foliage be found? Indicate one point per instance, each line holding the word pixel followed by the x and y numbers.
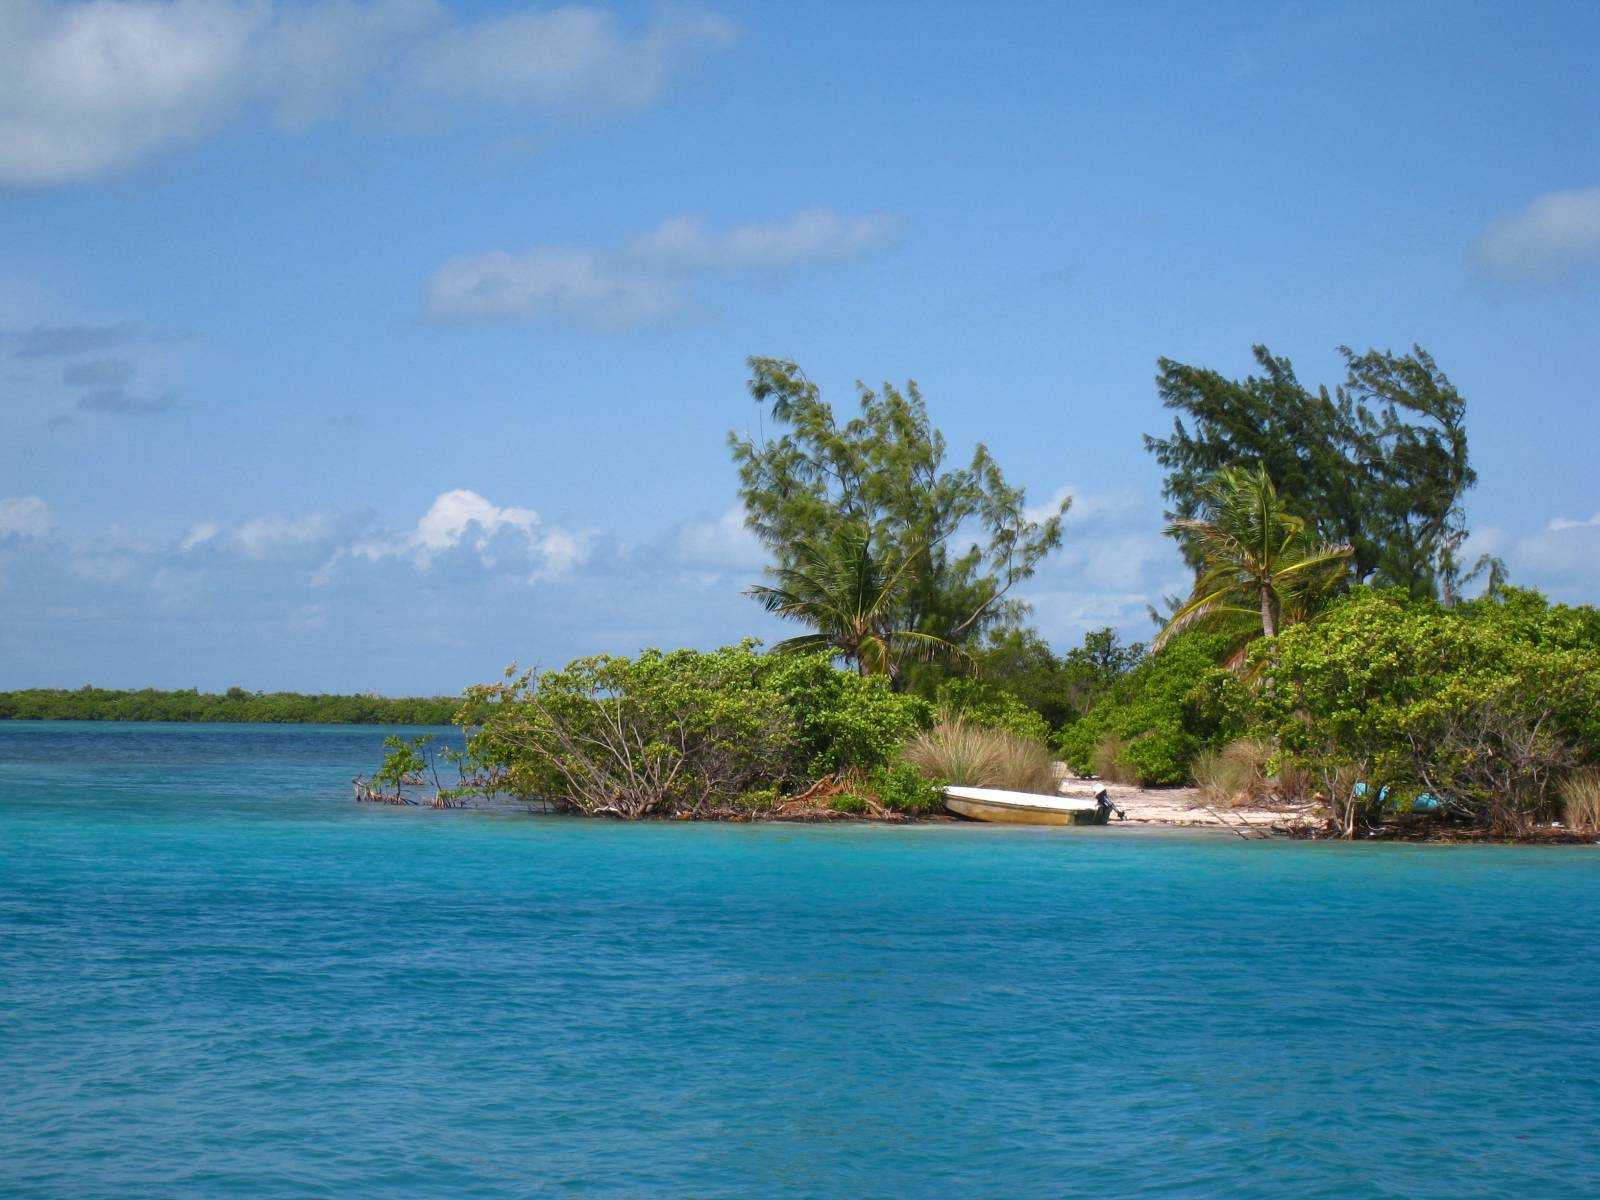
pixel 1380 464
pixel 1488 710
pixel 686 732
pixel 1161 714
pixel 1016 666
pixel 236 705
pixel 881 475
pixel 1487 706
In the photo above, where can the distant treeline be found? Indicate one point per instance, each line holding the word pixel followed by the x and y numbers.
pixel 234 705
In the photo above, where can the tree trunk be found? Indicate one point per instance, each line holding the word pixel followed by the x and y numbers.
pixel 1269 620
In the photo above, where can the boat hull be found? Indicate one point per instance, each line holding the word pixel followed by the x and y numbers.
pixel 1019 808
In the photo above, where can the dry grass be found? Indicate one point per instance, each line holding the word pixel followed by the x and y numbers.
pixel 1234 776
pixel 959 752
pixel 1580 797
pixel 1108 762
pixel 1294 785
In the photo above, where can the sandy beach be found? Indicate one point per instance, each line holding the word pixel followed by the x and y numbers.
pixel 1182 807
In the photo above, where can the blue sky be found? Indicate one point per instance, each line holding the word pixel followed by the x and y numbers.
pixel 372 345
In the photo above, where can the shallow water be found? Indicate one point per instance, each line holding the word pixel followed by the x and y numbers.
pixel 219 976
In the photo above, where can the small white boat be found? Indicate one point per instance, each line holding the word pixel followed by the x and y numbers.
pixel 1027 808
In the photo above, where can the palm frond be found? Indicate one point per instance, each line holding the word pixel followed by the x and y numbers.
pixel 1257 556
pixel 1196 611
pixel 805 643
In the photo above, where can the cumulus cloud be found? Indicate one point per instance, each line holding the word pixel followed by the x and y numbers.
pixel 462 517
pixel 25 517
pixel 649 279
pixel 90 87
pixel 1556 237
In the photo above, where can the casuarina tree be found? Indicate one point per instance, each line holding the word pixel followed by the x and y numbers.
pixel 1380 464
pixel 960 538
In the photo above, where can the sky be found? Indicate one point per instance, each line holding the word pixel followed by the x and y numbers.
pixel 361 346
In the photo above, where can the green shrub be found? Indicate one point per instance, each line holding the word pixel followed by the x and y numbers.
pixel 1486 705
pixel 843 719
pixel 1161 714
pixel 849 803
pixel 681 732
pixel 901 788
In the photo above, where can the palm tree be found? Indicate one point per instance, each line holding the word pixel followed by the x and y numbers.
pixel 1261 568
pixel 850 597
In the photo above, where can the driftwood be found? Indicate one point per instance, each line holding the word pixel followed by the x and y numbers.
pixel 815 803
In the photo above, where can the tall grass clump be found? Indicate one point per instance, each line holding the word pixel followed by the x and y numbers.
pixel 968 755
pixel 1110 763
pixel 1234 775
pixel 1580 798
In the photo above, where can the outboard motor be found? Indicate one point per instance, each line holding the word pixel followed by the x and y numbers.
pixel 1103 808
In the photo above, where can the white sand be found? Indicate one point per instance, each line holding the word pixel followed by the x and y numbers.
pixel 1182 807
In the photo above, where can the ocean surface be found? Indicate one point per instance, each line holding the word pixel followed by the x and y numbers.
pixel 221 977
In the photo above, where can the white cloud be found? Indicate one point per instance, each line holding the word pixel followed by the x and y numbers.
pixel 724 543
pixel 453 513
pixel 463 517
pixel 1556 236
pixel 1559 524
pixel 552 281
pixel 568 55
pixel 90 87
pixel 1088 506
pixel 1565 550
pixel 263 537
pixel 816 235
pixel 561 552
pixel 1113 563
pixel 25 517
pixel 648 280
pixel 1563 558
pixel 199 535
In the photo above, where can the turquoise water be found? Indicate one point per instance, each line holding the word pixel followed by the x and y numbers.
pixel 221 977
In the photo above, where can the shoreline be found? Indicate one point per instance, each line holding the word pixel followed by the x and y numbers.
pixel 1266 824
